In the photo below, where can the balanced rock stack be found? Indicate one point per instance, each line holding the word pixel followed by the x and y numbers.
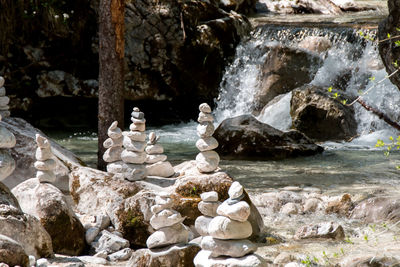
pixel 134 144
pixel 207 160
pixel 208 207
pixel 158 166
pixel 226 244
pixel 7 140
pixel 167 223
pixel 4 100
pixel 45 163
pixel 113 145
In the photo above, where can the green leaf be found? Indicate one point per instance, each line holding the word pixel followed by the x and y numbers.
pixel 397 43
pixel 372 78
pixel 330 89
pixel 388 35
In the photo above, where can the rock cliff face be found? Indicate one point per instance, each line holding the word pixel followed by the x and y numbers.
pixel 390 52
pixel 174 49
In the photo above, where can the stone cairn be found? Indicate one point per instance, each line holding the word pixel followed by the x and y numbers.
pixel 226 243
pixel 113 146
pixel 7 140
pixel 45 164
pixel 207 160
pixel 134 143
pixel 167 223
pixel 4 100
pixel 208 207
pixel 156 160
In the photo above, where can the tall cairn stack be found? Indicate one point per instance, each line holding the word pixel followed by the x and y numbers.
pixel 226 244
pixel 156 160
pixel 134 143
pixel 4 100
pixel 113 146
pixel 167 222
pixel 45 164
pixel 208 207
pixel 7 140
pixel 207 160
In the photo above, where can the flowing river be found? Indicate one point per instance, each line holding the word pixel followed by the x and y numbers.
pixel 357 167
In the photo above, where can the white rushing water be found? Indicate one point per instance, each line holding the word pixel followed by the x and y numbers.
pixel 350 54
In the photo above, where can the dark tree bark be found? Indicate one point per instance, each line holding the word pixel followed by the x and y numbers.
pixel 111 72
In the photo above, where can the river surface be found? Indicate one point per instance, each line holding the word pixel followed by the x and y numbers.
pixel 357 167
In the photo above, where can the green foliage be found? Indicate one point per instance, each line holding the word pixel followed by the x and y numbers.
pixel 394 144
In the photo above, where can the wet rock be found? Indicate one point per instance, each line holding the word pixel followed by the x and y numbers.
pixel 48 204
pixel 389 52
pixel 284 69
pixel 316 44
pixel 342 207
pixel 244 137
pixel 377 209
pixel 321 117
pixel 109 242
pixel 12 253
pixel 175 255
pixel 23 228
pixel 329 230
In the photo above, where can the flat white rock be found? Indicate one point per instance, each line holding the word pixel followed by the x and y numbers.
pixel 161 169
pixel 91 234
pixel 109 242
pixel 141 121
pixel 140 127
pixel 205 117
pixel 201 224
pixel 133 157
pixel 206 143
pixel 112 154
pixel 135 146
pixel 2 91
pixel 235 190
pixel 165 218
pixel 43 153
pixel 154 149
pixel 231 248
pixel 113 131
pixel 7 164
pixel 204 259
pixel 208 208
pixel 168 236
pixel 155 158
pixel 211 196
pixel 46 176
pixel 4 100
pixel 46 165
pixel 121 255
pixel 205 108
pixel 7 138
pixel 224 228
pixel 110 142
pixel 239 211
pixel 135 135
pixel 207 161
pixel 205 129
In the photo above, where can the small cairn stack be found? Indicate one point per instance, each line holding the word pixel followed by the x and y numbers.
pixel 156 160
pixel 113 144
pixel 226 244
pixel 45 163
pixel 208 207
pixel 4 100
pixel 134 143
pixel 207 160
pixel 7 140
pixel 167 223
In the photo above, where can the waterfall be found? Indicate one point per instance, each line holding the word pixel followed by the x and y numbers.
pixel 350 53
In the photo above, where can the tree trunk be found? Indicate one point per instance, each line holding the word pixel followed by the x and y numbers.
pixel 111 72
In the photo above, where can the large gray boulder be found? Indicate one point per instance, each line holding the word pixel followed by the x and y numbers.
pixel 247 138
pixel 23 228
pixel 48 204
pixel 12 253
pixel 319 116
pixel 24 154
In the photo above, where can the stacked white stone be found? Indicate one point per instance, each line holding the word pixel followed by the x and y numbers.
pixel 4 100
pixel 45 164
pixel 134 143
pixel 207 160
pixel 7 140
pixel 167 223
pixel 113 145
pixel 208 207
pixel 156 160
pixel 226 244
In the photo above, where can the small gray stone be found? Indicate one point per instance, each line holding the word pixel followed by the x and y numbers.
pixel 331 230
pixel 91 234
pixel 93 260
pixel 154 149
pixel 46 165
pixel 164 218
pixel 311 205
pixel 224 228
pixel 135 135
pixel 168 236
pixel 110 142
pixel 138 121
pixel 205 117
pixel 140 127
pixel 205 108
pixel 160 169
pixel 109 242
pixel 207 161
pixel 7 138
pixel 207 143
pixel 121 255
pixel 164 199
pixel 204 259
pixel 32 260
pixel 231 248
pixel 289 208
pixel 133 157
pixel 7 164
pixel 46 176
pixel 101 254
pixel 4 100
pixel 236 190
pixel 137 115
pixel 2 81
pixel 43 154
pixel 209 208
pixel 201 224
pixel 239 211
pixel 113 154
pixel 135 146
pixel 2 91
pixel 150 159
pixel 205 129
pixel 211 196
pixel 113 131
pixel 102 221
pixel 42 262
